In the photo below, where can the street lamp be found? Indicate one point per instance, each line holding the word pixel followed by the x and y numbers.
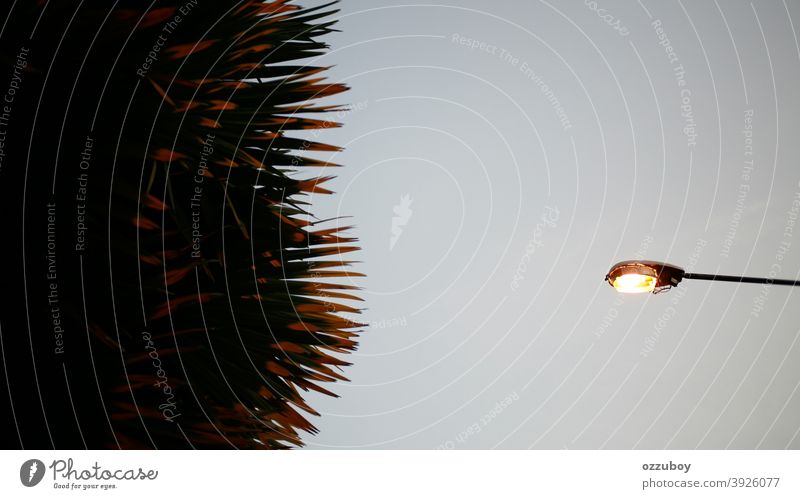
pixel 644 276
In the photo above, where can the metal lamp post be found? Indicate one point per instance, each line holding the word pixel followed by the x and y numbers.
pixel 645 276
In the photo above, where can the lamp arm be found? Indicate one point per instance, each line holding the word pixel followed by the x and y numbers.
pixel 731 278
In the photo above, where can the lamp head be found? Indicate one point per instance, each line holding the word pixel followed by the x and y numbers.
pixel 643 276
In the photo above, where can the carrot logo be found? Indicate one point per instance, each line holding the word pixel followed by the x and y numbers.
pixel 403 212
pixel 31 472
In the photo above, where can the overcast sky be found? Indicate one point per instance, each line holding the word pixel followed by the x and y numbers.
pixel 501 156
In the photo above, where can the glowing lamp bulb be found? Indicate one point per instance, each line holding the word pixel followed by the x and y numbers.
pixel 644 276
pixel 634 283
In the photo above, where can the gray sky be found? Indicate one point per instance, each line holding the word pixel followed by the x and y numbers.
pixel 498 162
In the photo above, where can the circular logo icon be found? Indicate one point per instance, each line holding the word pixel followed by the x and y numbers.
pixel 31 472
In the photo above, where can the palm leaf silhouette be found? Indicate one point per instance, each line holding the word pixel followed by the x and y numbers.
pixel 226 300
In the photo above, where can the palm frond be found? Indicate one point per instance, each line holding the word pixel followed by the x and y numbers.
pixel 227 303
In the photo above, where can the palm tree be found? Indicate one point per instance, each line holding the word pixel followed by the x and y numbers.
pixel 212 298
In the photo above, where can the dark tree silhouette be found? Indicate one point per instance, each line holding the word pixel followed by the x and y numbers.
pixel 162 199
